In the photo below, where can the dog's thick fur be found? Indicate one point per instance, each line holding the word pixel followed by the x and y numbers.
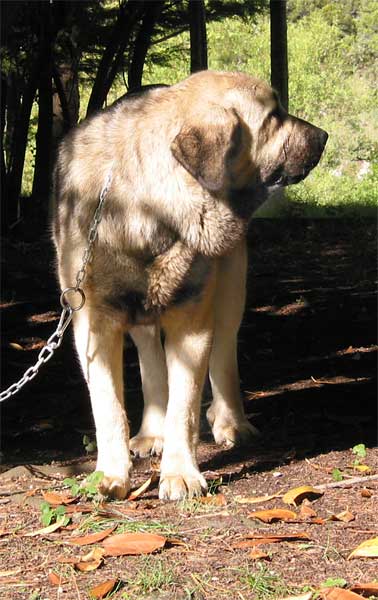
pixel 190 163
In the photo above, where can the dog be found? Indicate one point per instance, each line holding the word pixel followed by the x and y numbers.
pixel 189 165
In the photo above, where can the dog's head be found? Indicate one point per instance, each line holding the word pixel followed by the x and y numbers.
pixel 236 135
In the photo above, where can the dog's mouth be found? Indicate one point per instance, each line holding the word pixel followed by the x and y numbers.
pixel 281 178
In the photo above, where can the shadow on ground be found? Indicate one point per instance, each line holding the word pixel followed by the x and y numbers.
pixel 307 348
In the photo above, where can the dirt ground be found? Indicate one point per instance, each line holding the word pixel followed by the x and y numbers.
pixel 308 352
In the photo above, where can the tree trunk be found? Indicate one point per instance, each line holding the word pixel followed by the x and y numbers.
pixel 4 203
pixel 66 99
pixel 198 39
pixel 142 42
pixel 44 158
pixel 118 42
pixel 278 50
pixel 19 143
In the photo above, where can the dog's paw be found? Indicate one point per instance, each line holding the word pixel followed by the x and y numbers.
pixel 114 487
pixel 181 486
pixel 231 431
pixel 142 445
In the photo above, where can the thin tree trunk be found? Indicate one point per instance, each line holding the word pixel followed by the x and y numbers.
pixel 119 38
pixel 20 139
pixel 4 203
pixel 43 159
pixel 142 42
pixel 278 50
pixel 198 38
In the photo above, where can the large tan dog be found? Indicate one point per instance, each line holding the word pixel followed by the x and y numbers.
pixel 189 165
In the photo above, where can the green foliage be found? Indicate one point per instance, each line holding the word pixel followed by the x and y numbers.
pixel 49 514
pixel 152 575
pixel 334 582
pixel 88 487
pixel 359 451
pixel 337 475
pixel 333 71
pixel 265 584
pixel 89 445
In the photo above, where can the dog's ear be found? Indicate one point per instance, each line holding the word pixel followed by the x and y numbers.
pixel 209 147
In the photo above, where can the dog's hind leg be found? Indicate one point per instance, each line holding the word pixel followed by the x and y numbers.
pixel 226 414
pixel 99 342
pixel 153 371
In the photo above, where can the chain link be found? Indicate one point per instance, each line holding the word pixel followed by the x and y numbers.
pixel 68 309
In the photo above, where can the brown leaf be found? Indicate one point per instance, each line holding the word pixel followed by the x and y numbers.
pixel 15 346
pixel 335 593
pixel 213 499
pixel 256 499
pixel 144 487
pixel 56 499
pixel 85 507
pixel 305 596
pixel 253 543
pixel 274 514
pixel 297 495
pixel 367 549
pixel 133 543
pixel 91 561
pixel 104 588
pixel 306 512
pixel 54 578
pixel 91 538
pixel 344 516
pixel 259 555
pixel 366 589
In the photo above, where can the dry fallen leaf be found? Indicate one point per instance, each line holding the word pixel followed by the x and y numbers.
pixel 133 543
pixel 306 512
pixel 49 529
pixel 335 593
pixel 367 549
pixel 255 499
pixel 56 499
pixel 91 538
pixel 214 499
pixel 366 589
pixel 54 578
pixel 91 561
pixel 344 516
pixel 144 487
pixel 274 514
pixel 15 346
pixel 297 495
pixel 360 468
pixel 103 589
pixel 305 596
pixel 259 555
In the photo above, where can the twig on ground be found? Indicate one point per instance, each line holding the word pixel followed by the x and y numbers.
pixel 347 482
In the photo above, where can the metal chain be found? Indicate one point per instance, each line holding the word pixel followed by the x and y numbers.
pixel 68 309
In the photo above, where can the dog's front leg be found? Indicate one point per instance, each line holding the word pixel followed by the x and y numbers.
pixel 99 342
pixel 187 345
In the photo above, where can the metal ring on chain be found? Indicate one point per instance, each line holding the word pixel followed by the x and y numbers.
pixel 66 304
